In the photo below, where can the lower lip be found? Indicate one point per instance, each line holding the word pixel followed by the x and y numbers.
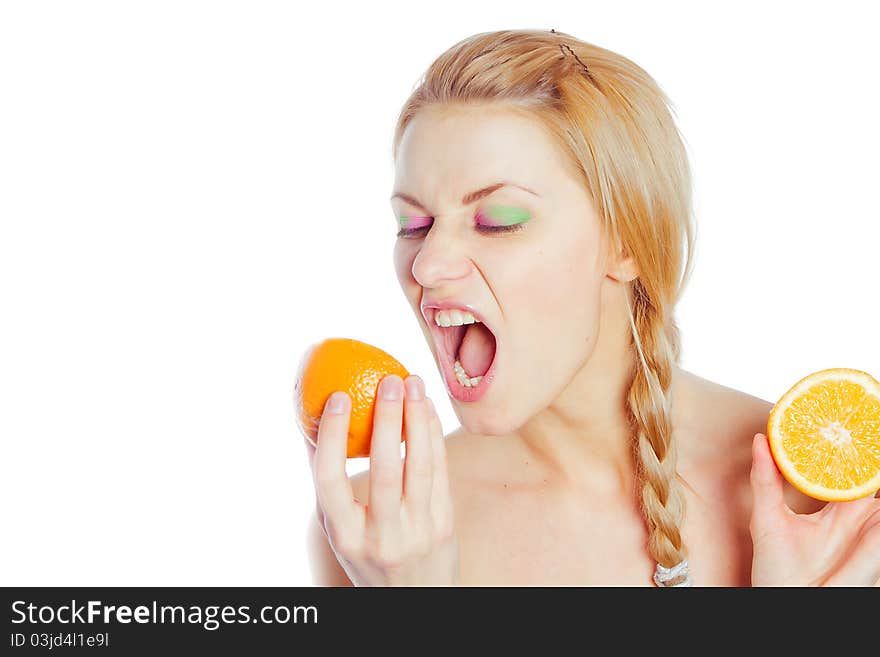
pixel 456 389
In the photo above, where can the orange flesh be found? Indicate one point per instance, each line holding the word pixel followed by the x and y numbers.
pixel 831 435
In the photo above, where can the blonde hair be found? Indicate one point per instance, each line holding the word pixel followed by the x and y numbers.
pixel 614 123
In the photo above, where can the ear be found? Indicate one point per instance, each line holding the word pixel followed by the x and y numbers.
pixel 622 267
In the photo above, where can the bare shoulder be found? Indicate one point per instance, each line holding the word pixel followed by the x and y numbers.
pixel 725 412
pixel 726 420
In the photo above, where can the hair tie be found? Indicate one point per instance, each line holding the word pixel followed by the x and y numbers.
pixel 663 576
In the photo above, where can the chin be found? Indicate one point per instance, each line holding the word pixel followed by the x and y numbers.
pixel 484 422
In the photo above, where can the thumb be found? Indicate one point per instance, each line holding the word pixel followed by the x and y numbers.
pixel 767 486
pixel 310 450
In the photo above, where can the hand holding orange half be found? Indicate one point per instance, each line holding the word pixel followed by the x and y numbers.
pixel 823 436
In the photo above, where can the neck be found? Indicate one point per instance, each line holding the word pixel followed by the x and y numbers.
pixel 584 438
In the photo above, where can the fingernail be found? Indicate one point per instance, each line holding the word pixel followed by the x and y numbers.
pixel 391 387
pixel 336 403
pixel 414 388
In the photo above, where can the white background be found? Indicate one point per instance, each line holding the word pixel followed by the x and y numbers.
pixel 193 192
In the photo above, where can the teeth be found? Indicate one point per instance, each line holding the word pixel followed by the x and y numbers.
pixel 454 317
pixel 463 378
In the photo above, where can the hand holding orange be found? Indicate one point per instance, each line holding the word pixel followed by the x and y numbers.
pixel 352 366
pixel 400 531
pixel 824 434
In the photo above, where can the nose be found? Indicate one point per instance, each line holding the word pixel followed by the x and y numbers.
pixel 441 258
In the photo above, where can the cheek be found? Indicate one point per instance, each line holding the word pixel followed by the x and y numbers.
pixel 556 302
pixel 562 280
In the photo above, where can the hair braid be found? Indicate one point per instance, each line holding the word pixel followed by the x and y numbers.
pixel 656 348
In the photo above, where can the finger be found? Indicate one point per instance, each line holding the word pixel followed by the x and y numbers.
pixel 862 567
pixel 319 514
pixel 332 486
pixel 386 470
pixel 310 452
pixel 767 486
pixel 441 500
pixel 418 466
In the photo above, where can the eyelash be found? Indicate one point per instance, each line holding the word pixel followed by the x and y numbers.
pixel 483 229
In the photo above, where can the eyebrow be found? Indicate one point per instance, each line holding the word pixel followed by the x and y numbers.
pixel 467 199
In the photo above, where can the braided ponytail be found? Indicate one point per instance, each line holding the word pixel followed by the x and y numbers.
pixel 656 348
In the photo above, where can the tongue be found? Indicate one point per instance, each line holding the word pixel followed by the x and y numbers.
pixel 476 350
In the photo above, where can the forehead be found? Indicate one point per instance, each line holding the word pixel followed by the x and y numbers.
pixel 447 151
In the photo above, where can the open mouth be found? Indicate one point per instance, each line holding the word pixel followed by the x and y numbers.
pixel 468 354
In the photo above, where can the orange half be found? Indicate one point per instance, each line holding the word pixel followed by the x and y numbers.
pixel 824 434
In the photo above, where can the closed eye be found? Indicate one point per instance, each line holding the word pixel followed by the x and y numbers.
pixel 410 232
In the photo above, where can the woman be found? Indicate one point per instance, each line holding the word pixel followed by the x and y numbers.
pixel 542 186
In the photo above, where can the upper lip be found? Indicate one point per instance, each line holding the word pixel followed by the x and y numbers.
pixel 446 304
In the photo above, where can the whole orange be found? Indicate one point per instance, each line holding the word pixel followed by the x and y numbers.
pixel 352 366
